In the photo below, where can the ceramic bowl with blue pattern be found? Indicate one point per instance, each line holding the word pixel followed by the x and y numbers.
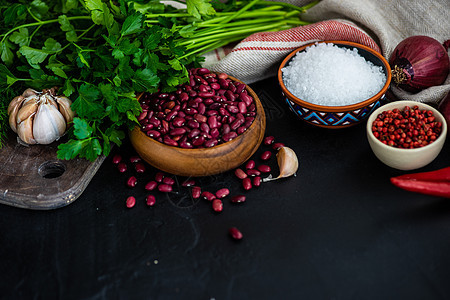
pixel 337 116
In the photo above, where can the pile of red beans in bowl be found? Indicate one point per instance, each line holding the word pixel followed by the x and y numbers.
pixel 209 110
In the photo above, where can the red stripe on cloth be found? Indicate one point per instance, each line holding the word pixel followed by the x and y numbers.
pixel 320 31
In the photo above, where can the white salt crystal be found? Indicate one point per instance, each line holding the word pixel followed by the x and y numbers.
pixel 325 74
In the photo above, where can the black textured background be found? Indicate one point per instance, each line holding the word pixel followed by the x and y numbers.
pixel 338 230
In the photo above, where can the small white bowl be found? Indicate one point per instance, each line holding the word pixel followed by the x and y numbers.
pixel 406 159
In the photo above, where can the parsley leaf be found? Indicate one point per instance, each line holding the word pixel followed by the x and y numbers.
pixel 132 24
pixel 199 8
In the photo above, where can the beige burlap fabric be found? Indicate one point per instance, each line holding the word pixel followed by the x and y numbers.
pixel 387 21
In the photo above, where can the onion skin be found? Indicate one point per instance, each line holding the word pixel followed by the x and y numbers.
pixel 419 62
pixel 444 108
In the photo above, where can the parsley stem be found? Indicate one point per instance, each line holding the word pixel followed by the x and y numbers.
pixel 227 33
pixel 240 12
pixel 40 23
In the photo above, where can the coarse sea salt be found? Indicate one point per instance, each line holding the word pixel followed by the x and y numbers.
pixel 325 74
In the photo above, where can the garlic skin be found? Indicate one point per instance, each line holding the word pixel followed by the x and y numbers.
pixel 40 117
pixel 287 163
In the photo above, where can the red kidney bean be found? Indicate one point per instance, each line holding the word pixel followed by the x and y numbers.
pixel 139 167
pixel 202 71
pixel 185 145
pixel 117 159
pixel 268 140
pixel 203 88
pixel 188 182
pixel 222 193
pixel 240 173
pixel 266 155
pixel 155 121
pixel 168 180
pixel 235 233
pixel 253 172
pixel 238 199
pixel 247 99
pixel 153 134
pixel 206 94
pixel 201 108
pixel 131 182
pixel 212 122
pixel 240 88
pixel 236 124
pixel 200 118
pixel 122 167
pixel 229 136
pixel 256 181
pixel 171 115
pixel 196 192
pixel 193 124
pixel 223 83
pixel 178 121
pixel 232 87
pixel 215 86
pixel 222 75
pixel 183 97
pixel 204 128
pixel 230 95
pixel 217 205
pixel 169 141
pixel 264 168
pixel 147 127
pixel 214 133
pixel 159 176
pixel 233 109
pixel 210 143
pixel 241 129
pixel 225 129
pixel 131 201
pixel 134 159
pixel 208 196
pixel 250 164
pixel 198 141
pixel 150 200
pixel 247 183
pixel 277 146
pixel 165 188
pixel 242 107
pixel 151 185
pixel 142 115
pixel 177 131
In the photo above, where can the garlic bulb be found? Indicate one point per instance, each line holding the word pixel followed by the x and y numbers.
pixel 40 117
pixel 287 163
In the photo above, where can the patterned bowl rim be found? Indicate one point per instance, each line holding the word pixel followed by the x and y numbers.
pixel 336 108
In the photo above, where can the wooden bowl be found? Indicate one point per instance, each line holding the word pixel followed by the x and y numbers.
pixel 203 161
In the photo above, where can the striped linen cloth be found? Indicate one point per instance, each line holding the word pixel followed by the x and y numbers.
pixel 378 24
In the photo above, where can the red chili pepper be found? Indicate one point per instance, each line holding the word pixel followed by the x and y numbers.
pixel 435 183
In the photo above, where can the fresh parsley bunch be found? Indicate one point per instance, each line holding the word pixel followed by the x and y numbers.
pixel 99 53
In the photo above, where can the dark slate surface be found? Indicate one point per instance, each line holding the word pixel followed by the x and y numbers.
pixel 338 230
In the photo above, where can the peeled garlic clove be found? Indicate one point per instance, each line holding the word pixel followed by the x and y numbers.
pixel 64 108
pixel 287 163
pixel 25 130
pixel 49 124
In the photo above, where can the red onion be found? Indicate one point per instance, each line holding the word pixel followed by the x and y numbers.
pixel 419 62
pixel 444 108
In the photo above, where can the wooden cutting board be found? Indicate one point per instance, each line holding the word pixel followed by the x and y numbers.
pixel 32 177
